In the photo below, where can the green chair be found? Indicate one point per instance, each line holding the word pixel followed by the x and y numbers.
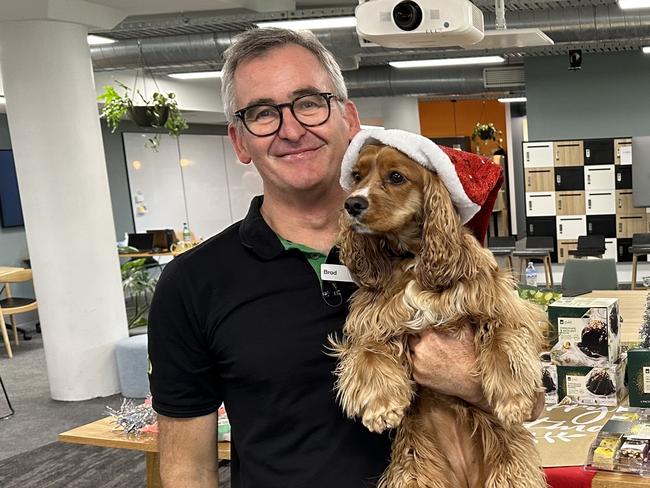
pixel 589 274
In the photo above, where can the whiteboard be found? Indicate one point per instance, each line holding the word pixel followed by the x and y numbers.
pixel 195 179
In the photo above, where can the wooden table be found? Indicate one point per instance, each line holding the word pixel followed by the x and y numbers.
pixel 100 433
pixel 631 307
pixel 619 480
pixel 7 270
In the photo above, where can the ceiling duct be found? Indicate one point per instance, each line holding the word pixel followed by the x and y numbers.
pixel 504 77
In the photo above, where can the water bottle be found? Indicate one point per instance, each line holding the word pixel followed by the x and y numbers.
pixel 187 236
pixel 531 274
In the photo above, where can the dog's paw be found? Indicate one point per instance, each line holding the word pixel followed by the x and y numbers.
pixel 382 418
pixel 515 411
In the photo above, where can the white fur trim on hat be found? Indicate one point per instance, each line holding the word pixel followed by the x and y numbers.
pixel 421 150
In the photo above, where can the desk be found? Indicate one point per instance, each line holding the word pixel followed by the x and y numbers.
pixel 100 433
pixel 631 307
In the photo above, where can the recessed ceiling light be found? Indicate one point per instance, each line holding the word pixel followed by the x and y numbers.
pixel 312 24
pixel 195 75
pixel 94 40
pixel 512 99
pixel 632 4
pixel 426 63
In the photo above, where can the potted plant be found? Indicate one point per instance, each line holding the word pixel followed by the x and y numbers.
pixel 484 132
pixel 160 112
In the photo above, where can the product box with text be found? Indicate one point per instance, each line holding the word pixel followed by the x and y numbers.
pixel 587 385
pixel 638 377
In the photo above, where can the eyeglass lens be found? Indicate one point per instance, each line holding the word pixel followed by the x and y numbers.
pixel 309 110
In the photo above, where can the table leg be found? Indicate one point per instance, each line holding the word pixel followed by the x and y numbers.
pixel 153 470
pixel 547 262
pixel 635 262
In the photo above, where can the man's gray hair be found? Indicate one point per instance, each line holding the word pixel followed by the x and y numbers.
pixel 257 42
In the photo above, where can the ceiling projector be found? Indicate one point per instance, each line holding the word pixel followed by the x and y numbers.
pixel 419 23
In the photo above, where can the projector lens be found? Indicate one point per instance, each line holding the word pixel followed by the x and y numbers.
pixel 407 15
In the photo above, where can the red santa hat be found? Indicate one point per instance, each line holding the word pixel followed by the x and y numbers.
pixel 473 181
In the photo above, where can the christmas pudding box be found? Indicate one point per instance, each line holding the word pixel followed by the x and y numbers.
pixel 638 377
pixel 586 385
pixel 549 382
pixel 584 331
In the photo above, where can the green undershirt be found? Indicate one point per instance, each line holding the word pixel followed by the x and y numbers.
pixel 314 257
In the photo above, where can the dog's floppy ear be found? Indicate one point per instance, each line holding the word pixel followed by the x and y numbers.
pixel 365 256
pixel 444 257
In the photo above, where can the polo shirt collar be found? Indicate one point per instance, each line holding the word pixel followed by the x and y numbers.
pixel 256 234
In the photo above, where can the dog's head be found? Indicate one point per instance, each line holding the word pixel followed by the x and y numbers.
pixel 396 206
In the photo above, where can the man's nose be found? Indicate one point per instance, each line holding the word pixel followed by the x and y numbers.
pixel 290 129
pixel 355 206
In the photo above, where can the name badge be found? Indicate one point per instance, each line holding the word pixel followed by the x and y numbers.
pixel 335 272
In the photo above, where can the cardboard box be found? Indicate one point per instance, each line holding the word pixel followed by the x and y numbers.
pixel 584 331
pixel 638 377
pixel 549 382
pixel 587 385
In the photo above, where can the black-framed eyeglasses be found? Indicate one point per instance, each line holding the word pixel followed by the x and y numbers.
pixel 265 119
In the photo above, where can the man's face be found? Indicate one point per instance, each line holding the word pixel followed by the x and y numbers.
pixel 296 159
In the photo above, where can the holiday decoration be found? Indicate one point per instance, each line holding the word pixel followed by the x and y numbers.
pixel 644 332
pixel 132 418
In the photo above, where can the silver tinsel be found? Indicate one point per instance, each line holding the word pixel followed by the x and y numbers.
pixel 132 418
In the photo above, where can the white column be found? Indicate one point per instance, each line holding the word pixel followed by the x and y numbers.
pixel 56 138
pixel 401 113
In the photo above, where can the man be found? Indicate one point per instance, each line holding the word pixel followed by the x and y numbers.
pixel 243 318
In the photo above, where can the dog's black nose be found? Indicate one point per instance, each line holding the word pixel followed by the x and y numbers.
pixel 356 205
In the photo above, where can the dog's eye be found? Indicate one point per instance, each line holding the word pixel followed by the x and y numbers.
pixel 356 176
pixel 396 178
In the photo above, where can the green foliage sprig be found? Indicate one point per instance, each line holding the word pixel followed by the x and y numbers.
pixel 484 132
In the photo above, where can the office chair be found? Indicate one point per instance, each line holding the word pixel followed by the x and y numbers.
pixel 593 246
pixel 589 274
pixel 12 305
pixel 640 245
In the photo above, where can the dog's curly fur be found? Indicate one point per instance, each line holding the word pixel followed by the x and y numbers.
pixel 419 268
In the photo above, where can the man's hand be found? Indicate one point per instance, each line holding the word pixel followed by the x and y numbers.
pixel 443 362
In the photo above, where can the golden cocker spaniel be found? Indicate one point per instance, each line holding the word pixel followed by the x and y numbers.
pixel 419 268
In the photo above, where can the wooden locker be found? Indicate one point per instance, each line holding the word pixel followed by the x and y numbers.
pixel 541 226
pixel 570 202
pixel 622 144
pixel 611 251
pixel 569 153
pixel 601 202
pixel 569 178
pixel 539 179
pixel 538 154
pixel 625 204
pixel 626 227
pixel 563 248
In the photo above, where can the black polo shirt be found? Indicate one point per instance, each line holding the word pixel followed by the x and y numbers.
pixel 240 319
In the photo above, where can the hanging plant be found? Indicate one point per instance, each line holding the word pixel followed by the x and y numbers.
pixel 160 112
pixel 484 132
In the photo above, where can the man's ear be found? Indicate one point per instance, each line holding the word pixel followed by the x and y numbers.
pixel 237 141
pixel 351 115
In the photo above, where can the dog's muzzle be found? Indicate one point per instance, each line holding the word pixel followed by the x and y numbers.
pixel 355 206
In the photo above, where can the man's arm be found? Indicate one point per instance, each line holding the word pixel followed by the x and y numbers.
pixel 188 452
pixel 444 363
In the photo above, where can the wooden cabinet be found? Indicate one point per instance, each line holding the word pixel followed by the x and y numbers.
pixel 570 202
pixel 599 177
pixel 570 178
pixel 571 227
pixel 623 177
pixel 563 248
pixel 601 225
pixel 599 151
pixel 626 227
pixel 623 151
pixel 625 204
pixel 569 153
pixel 540 204
pixel 539 179
pixel 538 154
pixel 600 202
